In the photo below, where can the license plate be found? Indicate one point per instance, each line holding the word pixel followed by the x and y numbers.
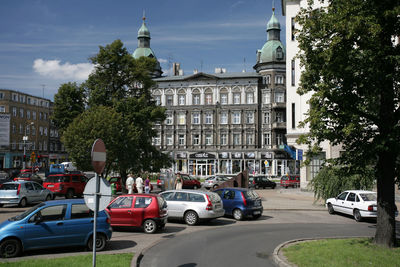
pixel 257 212
pixel 50 185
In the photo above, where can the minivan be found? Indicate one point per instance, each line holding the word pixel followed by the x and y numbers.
pixel 290 181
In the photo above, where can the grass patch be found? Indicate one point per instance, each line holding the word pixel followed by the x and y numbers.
pixel 342 252
pixel 106 260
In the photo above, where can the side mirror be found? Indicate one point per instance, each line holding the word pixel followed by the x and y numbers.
pixel 38 218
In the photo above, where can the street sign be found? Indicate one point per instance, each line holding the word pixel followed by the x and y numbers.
pixel 104 194
pixel 299 154
pixel 98 156
pixel 266 162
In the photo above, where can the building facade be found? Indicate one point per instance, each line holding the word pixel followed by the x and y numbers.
pixel 26 131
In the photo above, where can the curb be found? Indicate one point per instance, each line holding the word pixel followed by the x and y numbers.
pixel 281 261
pixel 138 256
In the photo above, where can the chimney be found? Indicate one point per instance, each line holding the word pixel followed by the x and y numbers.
pixel 176 67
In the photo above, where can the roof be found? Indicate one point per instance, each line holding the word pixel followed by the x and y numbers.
pixel 66 201
pixel 210 76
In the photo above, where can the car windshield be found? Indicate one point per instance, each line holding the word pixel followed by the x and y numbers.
pixel 24 175
pixel 368 196
pixel 250 194
pixel 161 202
pixel 214 197
pixel 9 187
pixel 57 179
pixel 26 213
pixel 284 178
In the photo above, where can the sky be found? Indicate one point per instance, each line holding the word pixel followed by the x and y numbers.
pixel 45 43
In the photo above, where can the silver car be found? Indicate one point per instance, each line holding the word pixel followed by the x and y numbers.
pixel 23 192
pixel 214 181
pixel 193 205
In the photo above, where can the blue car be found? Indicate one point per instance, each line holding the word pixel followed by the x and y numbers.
pixel 240 202
pixel 57 223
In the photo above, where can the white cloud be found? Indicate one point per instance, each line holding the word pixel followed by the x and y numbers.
pixel 162 60
pixel 55 70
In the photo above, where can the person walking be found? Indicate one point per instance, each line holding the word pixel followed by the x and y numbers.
pixel 139 184
pixel 147 185
pixel 129 184
pixel 178 181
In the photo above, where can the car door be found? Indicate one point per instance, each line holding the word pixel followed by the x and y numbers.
pixel 349 203
pixel 79 224
pixel 139 210
pixel 49 230
pixel 30 192
pixel 172 205
pixel 180 203
pixel 120 211
pixel 41 193
pixel 340 202
pixel 228 199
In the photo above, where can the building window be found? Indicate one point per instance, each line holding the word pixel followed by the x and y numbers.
pixel 21 129
pixel 236 139
pixel 316 164
pixel 208 139
pixel 13 145
pixel 45 131
pixel 279 79
pixel 181 118
pixel 15 97
pixel 250 98
pixel 181 99
pixel 170 100
pixel 170 119
pixel 279 139
pixel 34 115
pixel 14 111
pixel 28 114
pixel 267 98
pixel 14 128
pixel 293 72
pixel 196 99
pixel 208 118
pixel 236 117
pixel 208 99
pixel 196 139
pixel 44 146
pixel 280 117
pixel 33 130
pixel 21 112
pixel 1 95
pixel 293 116
pixel 181 139
pixel 2 109
pixel 41 130
pixel 196 118
pixel 40 115
pixel 267 79
pixel 267 118
pixel 267 139
pixel 223 139
pixel 249 117
pixel 27 129
pixel 157 140
pixel 170 140
pixel 223 118
pixel 157 99
pixel 224 99
pixel 279 97
pixel 236 98
pixel 293 28
pixel 279 53
pixel 249 139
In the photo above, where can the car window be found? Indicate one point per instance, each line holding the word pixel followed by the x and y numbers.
pixel 53 213
pixel 28 186
pixel 229 194
pixel 122 203
pixel 368 196
pixel 357 199
pixel 342 196
pixel 37 186
pixel 76 179
pixel 162 204
pixel 196 197
pixel 25 175
pixel 180 196
pixel 79 211
pixel 215 198
pixel 251 179
pixel 142 202
pixel 250 194
pixel 9 187
pixel 57 179
pixel 284 178
pixel 168 195
pixel 219 192
pixel 351 197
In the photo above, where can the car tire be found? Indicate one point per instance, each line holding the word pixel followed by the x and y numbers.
pixel 256 186
pixel 237 214
pixel 357 215
pixel 23 203
pixel 215 186
pixel 255 217
pixel 48 197
pixel 330 209
pixel 195 187
pixel 191 218
pixel 101 242
pixel 149 226
pixel 10 248
pixel 1 205
pixel 273 187
pixel 70 193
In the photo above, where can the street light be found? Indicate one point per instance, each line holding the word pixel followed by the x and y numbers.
pixel 25 138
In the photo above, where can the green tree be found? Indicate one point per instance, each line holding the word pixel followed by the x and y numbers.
pixel 68 104
pixel 351 66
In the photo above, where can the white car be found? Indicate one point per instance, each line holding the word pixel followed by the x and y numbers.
pixel 361 204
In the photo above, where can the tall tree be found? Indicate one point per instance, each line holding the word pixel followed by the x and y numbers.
pixel 69 102
pixel 352 67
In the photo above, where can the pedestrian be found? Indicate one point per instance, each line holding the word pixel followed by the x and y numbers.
pixel 178 181
pixel 159 183
pixel 129 184
pixel 139 184
pixel 147 185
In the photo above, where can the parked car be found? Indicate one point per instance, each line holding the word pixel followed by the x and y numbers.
pixel 117 181
pixel 4 177
pixel 214 181
pixel 190 182
pixel 261 182
pixel 290 181
pixel 240 202
pixel 193 205
pixel 148 211
pixel 23 192
pixel 361 204
pixel 58 223
pixel 28 176
pixel 67 184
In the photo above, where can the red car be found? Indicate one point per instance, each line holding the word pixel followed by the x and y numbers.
pixel 190 182
pixel 28 176
pixel 68 185
pixel 290 181
pixel 118 187
pixel 148 211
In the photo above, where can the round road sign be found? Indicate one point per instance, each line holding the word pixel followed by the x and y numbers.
pixel 104 193
pixel 98 156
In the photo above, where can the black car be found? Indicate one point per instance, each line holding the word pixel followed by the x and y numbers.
pixel 261 182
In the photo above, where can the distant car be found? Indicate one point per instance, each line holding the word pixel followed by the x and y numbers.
pixel 28 176
pixel 67 184
pixel 358 203
pixel 4 177
pixel 290 181
pixel 51 224
pixel 240 202
pixel 23 192
pixel 148 211
pixel 214 181
pixel 117 181
pixel 193 205
pixel 190 182
pixel 261 182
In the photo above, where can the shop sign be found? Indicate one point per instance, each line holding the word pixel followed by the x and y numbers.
pixel 181 155
pixel 237 155
pixel 223 155
pixel 267 155
pixel 280 156
pixel 250 155
pixel 202 155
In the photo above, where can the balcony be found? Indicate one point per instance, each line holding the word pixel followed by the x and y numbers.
pixel 278 125
pixel 280 105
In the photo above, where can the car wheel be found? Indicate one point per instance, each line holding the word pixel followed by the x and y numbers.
pixel 48 197
pixel 1 205
pixel 69 194
pixel 273 187
pixel 23 203
pixel 215 186
pixel 149 226
pixel 256 186
pixel 191 218
pixel 357 215
pixel 330 209
pixel 195 187
pixel 10 248
pixel 237 214
pixel 101 242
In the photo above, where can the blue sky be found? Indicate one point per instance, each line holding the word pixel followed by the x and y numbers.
pixel 44 43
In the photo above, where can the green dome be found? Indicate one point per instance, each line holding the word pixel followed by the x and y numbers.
pixel 143 52
pixel 273 23
pixel 273 50
pixel 143 31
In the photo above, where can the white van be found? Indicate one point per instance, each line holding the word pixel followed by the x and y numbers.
pixel 69 166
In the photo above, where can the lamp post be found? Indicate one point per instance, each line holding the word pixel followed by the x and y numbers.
pixel 25 138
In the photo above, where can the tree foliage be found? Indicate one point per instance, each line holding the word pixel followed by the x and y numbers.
pixel 351 68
